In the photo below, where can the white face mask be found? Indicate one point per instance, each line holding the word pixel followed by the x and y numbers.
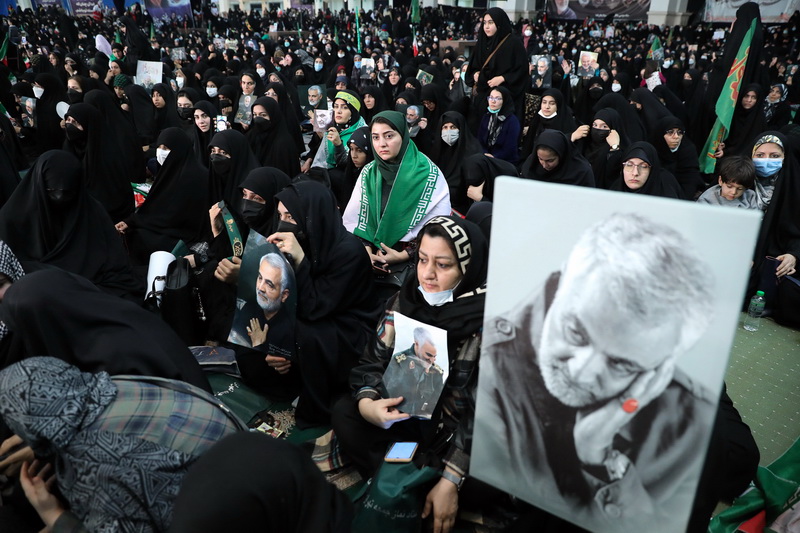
pixel 211 91
pixel 261 72
pixel 435 299
pixel 541 114
pixel 161 155
pixel 38 91
pixel 616 87
pixel 528 33
pixel 180 82
pixel 450 136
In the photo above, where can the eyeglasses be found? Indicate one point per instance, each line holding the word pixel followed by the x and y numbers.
pixel 495 98
pixel 675 132
pixel 642 167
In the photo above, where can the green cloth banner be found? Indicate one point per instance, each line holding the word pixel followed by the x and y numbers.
pixel 726 104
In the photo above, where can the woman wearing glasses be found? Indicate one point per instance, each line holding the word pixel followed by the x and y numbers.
pixel 499 131
pixel 678 155
pixel 642 173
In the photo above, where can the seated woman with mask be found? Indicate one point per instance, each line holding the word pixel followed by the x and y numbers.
pixel 447 292
pixel 337 308
pixel 396 194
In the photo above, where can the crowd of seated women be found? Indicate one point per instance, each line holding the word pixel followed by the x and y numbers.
pixel 107 420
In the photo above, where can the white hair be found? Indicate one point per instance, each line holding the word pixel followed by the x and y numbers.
pixel 649 272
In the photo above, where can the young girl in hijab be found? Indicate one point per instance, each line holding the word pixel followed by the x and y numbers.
pixel 447 292
pixel 642 174
pixel 554 114
pixel 556 160
pixel 499 130
pixel 450 151
pixel 269 138
pixel 499 58
pixel 175 207
pixel 395 194
pixel 332 152
pixel 359 155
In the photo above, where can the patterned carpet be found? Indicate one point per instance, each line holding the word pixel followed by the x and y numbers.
pixel 764 382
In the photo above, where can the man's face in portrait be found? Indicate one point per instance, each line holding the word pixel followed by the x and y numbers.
pixel 268 288
pixel 426 353
pixel 590 355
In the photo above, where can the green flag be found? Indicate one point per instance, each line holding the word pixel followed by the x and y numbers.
pixel 4 49
pixel 726 103
pixel 656 50
pixel 415 11
pixel 358 30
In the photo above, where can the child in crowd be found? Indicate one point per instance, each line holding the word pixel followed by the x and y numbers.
pixel 737 177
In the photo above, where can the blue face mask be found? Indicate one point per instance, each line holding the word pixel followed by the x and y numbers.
pixel 492 111
pixel 317 66
pixel 357 64
pixel 767 167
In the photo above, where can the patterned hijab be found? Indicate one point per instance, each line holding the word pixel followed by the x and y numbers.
pixel 10 268
pixel 769 107
pixel 112 481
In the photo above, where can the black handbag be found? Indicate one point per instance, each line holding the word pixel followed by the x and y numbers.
pixel 181 306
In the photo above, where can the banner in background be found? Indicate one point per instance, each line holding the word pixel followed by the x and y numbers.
pixel 84 8
pixel 598 9
pixel 772 11
pixel 159 9
pixel 5 5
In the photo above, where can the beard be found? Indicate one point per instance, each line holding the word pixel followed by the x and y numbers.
pixel 266 304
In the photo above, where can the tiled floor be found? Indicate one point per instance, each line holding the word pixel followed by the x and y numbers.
pixel 764 382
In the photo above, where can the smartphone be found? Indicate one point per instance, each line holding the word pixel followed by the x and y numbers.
pixel 401 452
pixel 221 123
pixel 381 267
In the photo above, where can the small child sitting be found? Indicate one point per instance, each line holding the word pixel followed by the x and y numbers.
pixel 736 181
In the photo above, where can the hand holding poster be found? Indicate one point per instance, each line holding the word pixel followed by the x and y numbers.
pixel 598 390
pixel 265 300
pixel 418 371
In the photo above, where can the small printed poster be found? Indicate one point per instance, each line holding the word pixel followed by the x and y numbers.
pixel 28 111
pixel 266 300
pixel 424 77
pixel 149 73
pixel 244 115
pixel 419 368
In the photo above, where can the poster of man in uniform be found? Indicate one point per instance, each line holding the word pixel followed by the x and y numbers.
pixel 417 372
pixel 598 9
pixel 264 318
pixel 605 342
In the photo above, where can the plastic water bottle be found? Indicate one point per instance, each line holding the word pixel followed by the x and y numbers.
pixel 754 312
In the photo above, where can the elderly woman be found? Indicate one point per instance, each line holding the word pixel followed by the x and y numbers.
pixel 119 448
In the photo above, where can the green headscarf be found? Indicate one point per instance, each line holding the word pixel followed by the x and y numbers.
pixel 357 121
pixel 412 177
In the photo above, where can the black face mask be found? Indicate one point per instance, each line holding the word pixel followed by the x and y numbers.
pixel 74 97
pixel 75 134
pixel 225 103
pixel 595 93
pixel 60 197
pixel 288 227
pixel 254 213
pixel 599 135
pixel 222 165
pixel 261 123
pixel 687 84
pixel 186 113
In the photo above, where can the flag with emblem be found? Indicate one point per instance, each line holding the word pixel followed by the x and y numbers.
pixel 726 103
